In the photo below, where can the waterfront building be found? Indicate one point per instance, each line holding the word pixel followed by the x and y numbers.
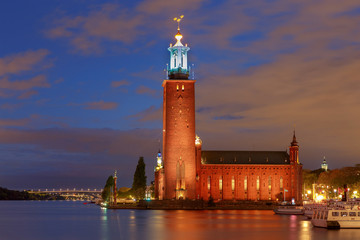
pixel 188 172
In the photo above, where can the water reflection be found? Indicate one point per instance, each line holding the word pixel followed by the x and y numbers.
pixel 71 220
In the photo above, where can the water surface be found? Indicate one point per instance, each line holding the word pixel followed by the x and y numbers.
pixel 55 220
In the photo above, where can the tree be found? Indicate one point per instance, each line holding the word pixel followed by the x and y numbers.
pixel 139 183
pixel 108 188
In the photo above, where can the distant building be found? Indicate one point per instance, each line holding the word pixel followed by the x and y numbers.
pixel 186 172
pixel 324 165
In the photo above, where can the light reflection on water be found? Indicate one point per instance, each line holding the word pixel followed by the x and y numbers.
pixel 74 220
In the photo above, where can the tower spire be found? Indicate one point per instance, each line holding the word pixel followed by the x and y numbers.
pixel 294 142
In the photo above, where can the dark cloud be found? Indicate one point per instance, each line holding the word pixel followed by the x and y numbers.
pixel 228 117
pixel 116 84
pixel 85 33
pixel 101 105
pixel 83 155
pixel 150 114
pixel 20 62
pixel 148 91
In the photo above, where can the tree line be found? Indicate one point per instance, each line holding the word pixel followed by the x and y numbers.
pixel 138 187
pixel 333 179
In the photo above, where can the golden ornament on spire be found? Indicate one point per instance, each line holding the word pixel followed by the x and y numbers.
pixel 178 21
pixel 178 36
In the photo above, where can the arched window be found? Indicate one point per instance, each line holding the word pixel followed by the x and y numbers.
pixel 281 183
pixel 245 183
pixel 258 183
pixel 209 183
pixel 269 183
pixel 220 183
pixel 233 183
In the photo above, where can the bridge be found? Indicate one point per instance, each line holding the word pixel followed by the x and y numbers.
pixel 71 193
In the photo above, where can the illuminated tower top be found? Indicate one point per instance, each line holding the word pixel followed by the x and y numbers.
pixel 159 162
pixel 324 165
pixel 178 68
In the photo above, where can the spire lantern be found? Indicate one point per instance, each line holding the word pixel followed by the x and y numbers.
pixel 178 68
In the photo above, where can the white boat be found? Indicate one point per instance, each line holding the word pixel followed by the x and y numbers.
pixel 289 210
pixel 335 218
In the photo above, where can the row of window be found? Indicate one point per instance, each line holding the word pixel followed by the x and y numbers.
pixel 245 183
pixel 182 87
pixel 345 214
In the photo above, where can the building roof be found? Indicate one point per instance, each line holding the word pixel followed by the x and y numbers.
pixel 245 157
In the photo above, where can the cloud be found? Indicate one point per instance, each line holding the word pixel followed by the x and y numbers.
pixel 11 106
pixel 28 94
pixel 23 64
pixel 20 85
pixel 14 122
pixel 228 117
pixel 148 91
pixel 20 62
pixel 169 6
pixel 150 114
pixel 101 105
pixel 121 83
pixel 69 153
pixel 109 22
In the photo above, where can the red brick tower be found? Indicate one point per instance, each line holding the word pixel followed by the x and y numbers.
pixel 179 126
pixel 295 171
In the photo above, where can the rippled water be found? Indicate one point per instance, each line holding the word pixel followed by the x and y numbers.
pixel 74 220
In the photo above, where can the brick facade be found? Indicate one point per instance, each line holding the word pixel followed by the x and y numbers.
pixel 178 139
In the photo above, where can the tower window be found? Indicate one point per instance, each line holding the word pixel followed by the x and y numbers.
pixel 183 88
pixel 281 183
pixel 177 87
pixel 257 183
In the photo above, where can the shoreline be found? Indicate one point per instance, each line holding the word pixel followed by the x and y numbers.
pixel 195 205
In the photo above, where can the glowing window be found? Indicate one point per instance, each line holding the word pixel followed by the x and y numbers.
pixel 269 183
pixel 183 87
pixel 233 183
pixel 220 183
pixel 245 183
pixel 177 87
pixel 209 182
pixel 257 183
pixel 281 183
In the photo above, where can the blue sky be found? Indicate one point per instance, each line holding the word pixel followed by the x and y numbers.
pixel 81 95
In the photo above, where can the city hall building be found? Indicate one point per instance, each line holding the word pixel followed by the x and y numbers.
pixel 185 171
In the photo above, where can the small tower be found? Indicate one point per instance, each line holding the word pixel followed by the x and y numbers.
pixel 115 189
pixel 324 165
pixel 159 177
pixel 198 144
pixel 295 171
pixel 294 150
pixel 179 125
pixel 159 162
